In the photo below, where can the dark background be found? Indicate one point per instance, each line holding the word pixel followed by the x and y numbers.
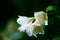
pixel 13 8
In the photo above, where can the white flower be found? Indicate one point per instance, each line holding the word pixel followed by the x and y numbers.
pixel 41 17
pixel 33 28
pixel 24 22
pixel 23 28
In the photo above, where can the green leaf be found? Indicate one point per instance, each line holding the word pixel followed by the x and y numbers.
pixel 50 8
pixel 56 38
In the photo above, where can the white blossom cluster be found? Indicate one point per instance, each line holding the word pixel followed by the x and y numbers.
pixel 31 27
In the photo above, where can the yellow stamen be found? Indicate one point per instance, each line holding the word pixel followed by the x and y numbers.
pixel 42 17
pixel 37 28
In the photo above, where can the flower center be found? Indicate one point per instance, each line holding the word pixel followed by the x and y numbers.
pixel 42 16
pixel 37 28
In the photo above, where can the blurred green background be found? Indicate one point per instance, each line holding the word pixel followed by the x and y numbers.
pixel 10 9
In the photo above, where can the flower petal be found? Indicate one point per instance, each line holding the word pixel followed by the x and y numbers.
pixel 22 28
pixel 24 20
pixel 46 22
pixel 34 29
pixel 40 15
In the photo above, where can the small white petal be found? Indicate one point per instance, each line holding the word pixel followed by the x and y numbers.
pixel 46 22
pixel 24 20
pixel 22 28
pixel 29 30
